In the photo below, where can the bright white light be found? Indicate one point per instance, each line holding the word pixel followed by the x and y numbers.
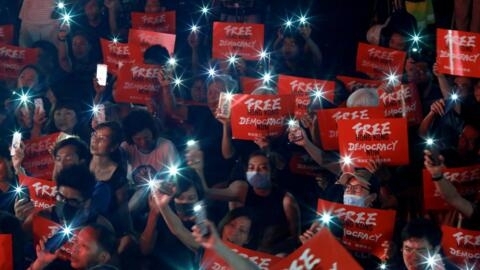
pixel 292 122
pixel 115 40
pixel 392 78
pixel 303 19
pixel 267 77
pixel 414 49
pixel 429 141
pixel 197 207
pixel 173 170
pixel 95 109
pixel 288 23
pixel 326 218
pixel 228 96
pixel 66 18
pixel 205 10
pixel 454 96
pixel 152 184
pixel 383 265
pixel 347 160
pixel 67 230
pixel 18 189
pixel 172 61
pixel 212 72
pixel 318 94
pixel 232 60
pixel 194 28
pixel 61 5
pixel 191 143
pixel 177 81
pixel 24 98
pixel 263 54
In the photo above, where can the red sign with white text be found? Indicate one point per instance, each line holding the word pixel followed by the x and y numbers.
pixel 137 83
pixel 303 89
pixel 384 140
pixel 6 33
pixel 163 22
pixel 41 192
pixel 321 252
pixel 327 122
pixel 352 83
pixel 403 101
pixel 465 179
pixel 38 161
pixel 115 55
pixel 458 53
pixel 239 39
pixel 43 227
pixel 13 59
pixel 462 247
pixel 6 252
pixel 364 229
pixel 256 116
pixel 377 62
pixel 140 40
pixel 212 261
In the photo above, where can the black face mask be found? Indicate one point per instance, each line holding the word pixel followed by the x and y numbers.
pixel 65 211
pixel 185 210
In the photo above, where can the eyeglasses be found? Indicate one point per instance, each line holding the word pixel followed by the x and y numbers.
pixel 355 188
pixel 73 202
pixel 410 250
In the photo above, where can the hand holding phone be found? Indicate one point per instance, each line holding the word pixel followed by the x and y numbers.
pixel 434 153
pixel 295 130
pixel 224 104
pixel 102 70
pixel 39 105
pixel 16 142
pixel 201 218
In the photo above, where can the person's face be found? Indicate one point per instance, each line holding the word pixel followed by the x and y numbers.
pixel 397 42
pixel 258 164
pixel 71 196
pixel 65 119
pixel 463 84
pixel 468 140
pixel 198 92
pixel 290 48
pixel 355 187
pixel 237 231
pixel 65 157
pixel 213 94
pixel 28 78
pixel 152 6
pixel 143 140
pixel 412 73
pixel 92 9
pixel 100 142
pixel 188 196
pixel 87 252
pixel 423 72
pixel 80 47
pixel 414 251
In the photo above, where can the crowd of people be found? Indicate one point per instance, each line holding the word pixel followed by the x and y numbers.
pixel 132 181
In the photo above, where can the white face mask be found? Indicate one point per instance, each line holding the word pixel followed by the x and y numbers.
pixel 355 200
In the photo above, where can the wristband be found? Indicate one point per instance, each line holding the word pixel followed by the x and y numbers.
pixel 437 178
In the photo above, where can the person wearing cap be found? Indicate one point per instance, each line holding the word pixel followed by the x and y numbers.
pixel 361 188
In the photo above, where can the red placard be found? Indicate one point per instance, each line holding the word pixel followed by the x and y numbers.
pixel 403 101
pixel 13 59
pixel 458 53
pixel 327 122
pixel 364 229
pixel 42 192
pixel 38 161
pixel 378 61
pixel 6 252
pixel 384 140
pixel 115 55
pixel 352 83
pixel 461 246
pixel 256 116
pixel 321 252
pixel 465 179
pixel 140 40
pixel 240 39
pixel 137 83
pixel 163 22
pixel 250 84
pixel 303 89
pixel 6 33
pixel 212 261
pixel 43 227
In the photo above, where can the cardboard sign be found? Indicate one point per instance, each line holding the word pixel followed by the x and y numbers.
pixel 38 161
pixel 377 62
pixel 256 116
pixel 321 252
pixel 43 227
pixel 6 252
pixel 137 83
pixel 141 40
pixel 163 22
pixel 364 229
pixel 327 122
pixel 13 59
pixel 352 83
pixel 465 179
pixel 303 89
pixel 240 39
pixel 383 140
pixel 403 101
pixel 248 84
pixel 212 261
pixel 6 34
pixel 115 55
pixel 458 53
pixel 42 192
pixel 462 247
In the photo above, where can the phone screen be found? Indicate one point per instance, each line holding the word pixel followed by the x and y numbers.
pixel 102 74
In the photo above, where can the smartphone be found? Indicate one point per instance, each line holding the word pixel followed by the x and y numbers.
pixel 57 240
pixel 22 193
pixel 16 141
pixel 225 104
pixel 294 127
pixel 39 105
pixel 192 145
pixel 102 74
pixel 434 153
pixel 201 217
pixel 449 104
pixel 100 113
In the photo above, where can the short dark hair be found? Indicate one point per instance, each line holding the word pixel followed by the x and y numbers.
pixel 136 121
pixel 82 149
pixel 422 228
pixel 188 178
pixel 79 178
pixel 117 131
pixel 105 238
pixel 156 55
pixel 236 213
